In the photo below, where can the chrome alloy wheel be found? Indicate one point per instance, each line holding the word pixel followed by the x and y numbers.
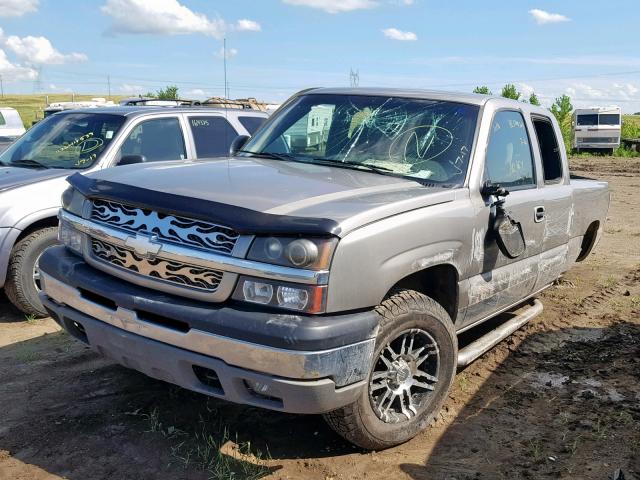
pixel 36 273
pixel 404 376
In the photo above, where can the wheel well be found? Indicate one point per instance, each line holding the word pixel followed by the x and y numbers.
pixel 588 241
pixel 439 282
pixel 42 223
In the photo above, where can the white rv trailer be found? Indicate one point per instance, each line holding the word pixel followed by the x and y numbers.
pixel 597 128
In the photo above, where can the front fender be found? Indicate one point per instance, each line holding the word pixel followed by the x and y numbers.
pixel 371 260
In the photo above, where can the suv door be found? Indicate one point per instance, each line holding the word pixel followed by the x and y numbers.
pixel 212 135
pixel 556 252
pixel 156 139
pixel 497 281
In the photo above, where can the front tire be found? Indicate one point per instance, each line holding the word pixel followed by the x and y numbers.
pixel 22 285
pixel 414 366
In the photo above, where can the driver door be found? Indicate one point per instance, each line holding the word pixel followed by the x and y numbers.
pixel 497 281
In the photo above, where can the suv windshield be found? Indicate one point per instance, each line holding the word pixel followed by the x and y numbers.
pixel 426 140
pixel 69 140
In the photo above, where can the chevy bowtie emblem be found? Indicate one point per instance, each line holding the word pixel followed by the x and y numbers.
pixel 144 245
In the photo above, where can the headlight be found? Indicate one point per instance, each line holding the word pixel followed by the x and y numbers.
pixel 70 237
pixel 72 201
pixel 313 254
pixel 301 298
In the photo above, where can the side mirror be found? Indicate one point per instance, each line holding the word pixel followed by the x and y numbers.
pixel 496 190
pixel 237 144
pixel 131 159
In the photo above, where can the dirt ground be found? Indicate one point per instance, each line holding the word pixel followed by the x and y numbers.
pixel 559 399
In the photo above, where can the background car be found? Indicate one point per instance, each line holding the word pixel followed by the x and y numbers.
pixel 34 169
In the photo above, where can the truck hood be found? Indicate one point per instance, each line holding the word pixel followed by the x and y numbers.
pixel 14 177
pixel 350 198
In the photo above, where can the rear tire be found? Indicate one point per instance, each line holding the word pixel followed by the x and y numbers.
pixel 20 287
pixel 410 322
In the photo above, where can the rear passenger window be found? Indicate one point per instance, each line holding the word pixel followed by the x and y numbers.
pixel 509 162
pixel 212 136
pixel 549 150
pixel 4 122
pixel 251 123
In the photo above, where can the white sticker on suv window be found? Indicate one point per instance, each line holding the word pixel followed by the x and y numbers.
pixel 109 135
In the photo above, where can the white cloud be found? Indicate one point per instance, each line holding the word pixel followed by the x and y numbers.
pixel 162 17
pixel 543 17
pixel 525 89
pixel 129 89
pixel 17 8
pixel 334 6
pixel 231 52
pixel 406 2
pixel 248 25
pixel 12 72
pixel 395 34
pixel 198 93
pixel 37 50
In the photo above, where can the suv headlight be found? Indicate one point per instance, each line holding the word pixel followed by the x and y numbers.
pixel 72 201
pixel 310 253
pixel 70 237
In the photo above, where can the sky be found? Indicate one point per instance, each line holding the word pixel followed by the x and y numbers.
pixel 582 48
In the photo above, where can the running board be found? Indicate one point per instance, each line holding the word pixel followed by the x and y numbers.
pixel 485 343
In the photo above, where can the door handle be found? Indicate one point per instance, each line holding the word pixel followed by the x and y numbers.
pixel 539 214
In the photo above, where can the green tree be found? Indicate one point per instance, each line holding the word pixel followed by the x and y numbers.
pixel 170 92
pixel 483 90
pixel 562 109
pixel 533 99
pixel 509 91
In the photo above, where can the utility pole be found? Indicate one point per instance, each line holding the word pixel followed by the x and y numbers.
pixel 224 60
pixel 109 85
pixel 1 87
pixel 354 78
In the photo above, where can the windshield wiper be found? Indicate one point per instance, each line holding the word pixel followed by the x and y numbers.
pixel 27 163
pixel 350 164
pixel 273 156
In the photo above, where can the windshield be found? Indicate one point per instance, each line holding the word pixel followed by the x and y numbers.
pixel 70 140
pixel 587 119
pixel 419 139
pixel 609 119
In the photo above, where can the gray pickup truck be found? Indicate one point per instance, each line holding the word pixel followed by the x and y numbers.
pixel 329 265
pixel 33 170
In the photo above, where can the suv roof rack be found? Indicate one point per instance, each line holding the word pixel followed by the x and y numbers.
pixel 241 103
pixel 169 101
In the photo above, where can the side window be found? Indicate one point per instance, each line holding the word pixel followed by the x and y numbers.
pixel 509 162
pixel 157 140
pixel 2 120
pixel 251 123
pixel 212 136
pixel 549 150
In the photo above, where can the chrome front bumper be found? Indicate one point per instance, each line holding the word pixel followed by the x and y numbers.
pixel 289 380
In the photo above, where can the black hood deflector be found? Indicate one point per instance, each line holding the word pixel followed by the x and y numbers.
pixel 243 220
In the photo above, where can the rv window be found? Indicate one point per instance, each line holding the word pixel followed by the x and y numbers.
pixel 609 119
pixel 549 151
pixel 590 119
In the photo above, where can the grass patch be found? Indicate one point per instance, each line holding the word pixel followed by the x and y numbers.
pixel 26 355
pixel 31 107
pixel 209 447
